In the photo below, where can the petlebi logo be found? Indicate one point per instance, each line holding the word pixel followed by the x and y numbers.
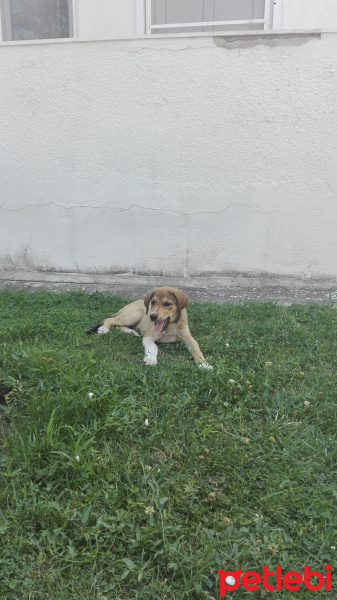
pixel 292 580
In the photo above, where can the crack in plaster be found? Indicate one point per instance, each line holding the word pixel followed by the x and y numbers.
pixel 164 49
pixel 266 247
pixel 119 208
pixel 134 252
pixel 185 271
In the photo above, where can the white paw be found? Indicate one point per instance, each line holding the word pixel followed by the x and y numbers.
pixel 102 329
pixel 135 333
pixel 205 366
pixel 149 359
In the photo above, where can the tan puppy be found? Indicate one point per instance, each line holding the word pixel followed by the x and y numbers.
pixel 161 318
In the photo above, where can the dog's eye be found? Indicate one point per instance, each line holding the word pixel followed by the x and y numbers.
pixel 167 304
pixel 153 302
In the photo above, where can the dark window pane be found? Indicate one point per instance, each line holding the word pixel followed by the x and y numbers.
pixel 39 19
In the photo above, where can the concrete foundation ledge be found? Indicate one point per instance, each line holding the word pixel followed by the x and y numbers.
pixel 216 288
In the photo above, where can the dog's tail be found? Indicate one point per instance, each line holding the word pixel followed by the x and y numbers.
pixel 95 327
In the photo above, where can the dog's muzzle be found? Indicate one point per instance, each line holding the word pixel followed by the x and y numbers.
pixel 160 326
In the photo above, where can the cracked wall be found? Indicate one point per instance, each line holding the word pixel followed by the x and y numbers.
pixel 173 155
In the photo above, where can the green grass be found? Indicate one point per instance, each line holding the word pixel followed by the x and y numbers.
pixel 236 469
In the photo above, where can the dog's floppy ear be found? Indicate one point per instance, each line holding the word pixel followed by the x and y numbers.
pixel 148 298
pixel 182 301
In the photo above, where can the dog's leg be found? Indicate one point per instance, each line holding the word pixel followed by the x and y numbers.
pixel 120 321
pixel 108 323
pixel 151 351
pixel 127 330
pixel 193 346
pixel 117 322
pixel 128 317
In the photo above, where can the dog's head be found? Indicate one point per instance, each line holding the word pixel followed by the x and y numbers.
pixel 165 305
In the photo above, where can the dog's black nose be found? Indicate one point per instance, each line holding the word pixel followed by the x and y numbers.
pixel 153 317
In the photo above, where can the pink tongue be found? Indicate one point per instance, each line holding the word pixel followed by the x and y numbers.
pixel 158 326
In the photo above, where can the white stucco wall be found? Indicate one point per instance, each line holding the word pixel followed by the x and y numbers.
pixel 178 155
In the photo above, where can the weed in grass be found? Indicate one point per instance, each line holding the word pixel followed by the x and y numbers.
pixel 123 481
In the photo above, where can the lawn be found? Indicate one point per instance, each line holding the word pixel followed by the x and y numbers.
pixel 167 473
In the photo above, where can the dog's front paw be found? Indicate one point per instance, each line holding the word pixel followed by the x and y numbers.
pixel 102 329
pixel 149 359
pixel 205 366
pixel 135 333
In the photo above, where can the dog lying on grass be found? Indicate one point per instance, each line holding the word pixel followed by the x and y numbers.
pixel 161 318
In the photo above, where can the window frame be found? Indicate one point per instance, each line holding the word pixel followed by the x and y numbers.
pixel 144 26
pixel 6 32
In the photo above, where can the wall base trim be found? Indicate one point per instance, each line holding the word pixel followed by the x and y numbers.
pixel 218 288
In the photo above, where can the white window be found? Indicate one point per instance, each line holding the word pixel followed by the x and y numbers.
pixel 36 19
pixel 178 16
